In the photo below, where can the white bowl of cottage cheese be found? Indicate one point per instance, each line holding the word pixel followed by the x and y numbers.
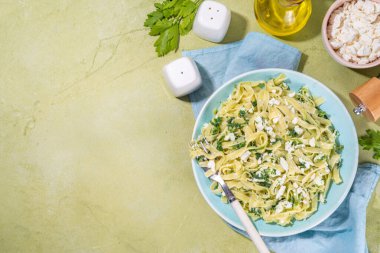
pixel 351 33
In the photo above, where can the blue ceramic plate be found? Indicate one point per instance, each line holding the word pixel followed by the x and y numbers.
pixel 339 117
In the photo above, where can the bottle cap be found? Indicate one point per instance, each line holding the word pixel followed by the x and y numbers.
pixel 366 98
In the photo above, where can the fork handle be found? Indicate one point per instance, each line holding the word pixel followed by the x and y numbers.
pixel 250 229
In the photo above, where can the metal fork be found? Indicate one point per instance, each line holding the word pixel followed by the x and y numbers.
pixel 245 220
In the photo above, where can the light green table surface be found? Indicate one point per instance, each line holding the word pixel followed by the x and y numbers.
pixel 93 150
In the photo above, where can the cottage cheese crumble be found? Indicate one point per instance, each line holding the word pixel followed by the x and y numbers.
pixel 354 31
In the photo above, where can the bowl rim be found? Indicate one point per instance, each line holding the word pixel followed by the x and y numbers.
pixel 334 206
pixel 328 47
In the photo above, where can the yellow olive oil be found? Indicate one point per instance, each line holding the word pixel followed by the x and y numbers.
pixel 282 17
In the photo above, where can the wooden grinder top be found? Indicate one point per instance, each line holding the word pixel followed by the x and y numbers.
pixel 367 99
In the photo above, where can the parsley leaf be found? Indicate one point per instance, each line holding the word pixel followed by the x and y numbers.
pixel 167 41
pixel 188 7
pixel 170 20
pixel 159 6
pixel 169 4
pixel 160 26
pixel 153 17
pixel 168 13
pixel 186 24
pixel 371 140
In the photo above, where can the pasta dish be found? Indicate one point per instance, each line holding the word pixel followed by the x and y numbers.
pixel 276 150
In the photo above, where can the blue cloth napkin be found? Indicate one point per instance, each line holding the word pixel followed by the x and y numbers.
pixel 219 64
pixel 343 231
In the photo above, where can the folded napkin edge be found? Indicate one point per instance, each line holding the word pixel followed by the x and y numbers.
pixel 210 50
pixel 373 168
pixel 215 49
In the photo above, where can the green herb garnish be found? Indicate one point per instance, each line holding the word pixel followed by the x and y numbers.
pixel 300 98
pixel 371 140
pixel 219 143
pixel 256 211
pixel 293 133
pixel 171 19
pixel 272 171
pixel 232 126
pixel 239 145
pixel 320 158
pixel 242 113
pixel 339 148
pixel 263 176
pixel 340 163
pixel 322 114
pixel 215 130
pixel 201 158
pixel 216 123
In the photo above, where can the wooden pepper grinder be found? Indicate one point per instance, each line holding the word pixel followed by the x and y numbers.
pixel 367 99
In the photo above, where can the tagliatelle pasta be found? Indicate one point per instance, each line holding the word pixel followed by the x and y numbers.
pixel 274 148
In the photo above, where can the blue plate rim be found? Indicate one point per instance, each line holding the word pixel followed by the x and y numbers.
pixel 334 205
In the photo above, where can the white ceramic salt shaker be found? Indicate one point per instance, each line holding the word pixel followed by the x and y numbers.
pixel 182 76
pixel 212 21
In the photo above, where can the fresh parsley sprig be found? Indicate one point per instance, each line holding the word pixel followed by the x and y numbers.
pixel 171 19
pixel 371 140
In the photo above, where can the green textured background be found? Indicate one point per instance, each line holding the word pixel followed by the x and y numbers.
pixel 93 151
